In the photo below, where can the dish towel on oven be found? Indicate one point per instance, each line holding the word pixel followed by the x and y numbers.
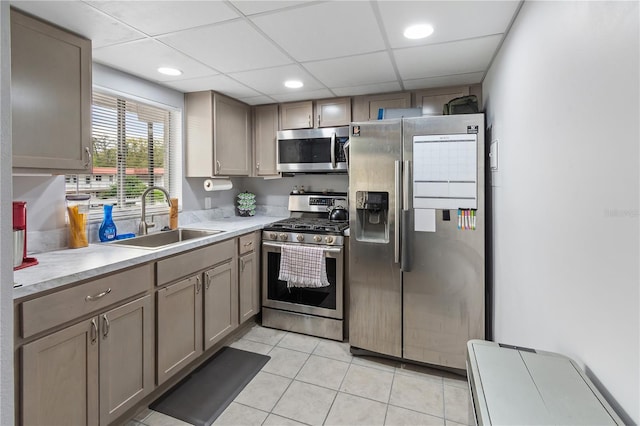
pixel 303 266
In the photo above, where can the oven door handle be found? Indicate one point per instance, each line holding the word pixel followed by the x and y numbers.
pixel 279 245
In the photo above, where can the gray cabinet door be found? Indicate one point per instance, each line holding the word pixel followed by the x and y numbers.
pixel 231 137
pixel 220 302
pixel 50 97
pixel 60 377
pixel 333 112
pixel 367 107
pixel 249 288
pixel 179 325
pixel 296 115
pixel 265 127
pixel 127 357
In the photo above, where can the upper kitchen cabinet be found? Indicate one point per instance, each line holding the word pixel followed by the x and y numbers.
pixel 333 112
pixel 50 98
pixel 265 132
pixel 367 107
pixel 296 115
pixel 432 100
pixel 218 135
pixel 328 113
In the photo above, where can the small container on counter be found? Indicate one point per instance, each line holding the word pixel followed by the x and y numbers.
pixel 77 215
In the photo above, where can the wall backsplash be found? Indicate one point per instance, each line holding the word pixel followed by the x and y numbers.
pixel 47 229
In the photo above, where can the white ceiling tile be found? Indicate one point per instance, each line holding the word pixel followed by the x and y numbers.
pixel 452 20
pixel 161 17
pixel 143 57
pixel 447 58
pixel 325 30
pixel 258 100
pixel 82 19
pixel 443 81
pixel 392 86
pixel 271 81
pixel 220 83
pixel 302 96
pixel 228 47
pixel 354 70
pixel 248 7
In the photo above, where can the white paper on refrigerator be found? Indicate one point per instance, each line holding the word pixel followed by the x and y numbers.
pixel 424 220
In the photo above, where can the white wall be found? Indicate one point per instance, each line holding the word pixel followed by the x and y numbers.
pixel 562 99
pixel 6 267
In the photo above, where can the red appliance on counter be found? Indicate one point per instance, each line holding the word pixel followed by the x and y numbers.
pixel 20 237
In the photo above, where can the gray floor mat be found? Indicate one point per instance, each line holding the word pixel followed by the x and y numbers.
pixel 202 396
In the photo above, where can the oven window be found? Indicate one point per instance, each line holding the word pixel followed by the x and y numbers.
pixel 323 297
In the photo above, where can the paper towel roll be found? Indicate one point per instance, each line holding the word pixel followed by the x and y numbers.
pixel 217 184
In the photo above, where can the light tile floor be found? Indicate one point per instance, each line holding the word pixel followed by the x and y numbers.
pixel 313 381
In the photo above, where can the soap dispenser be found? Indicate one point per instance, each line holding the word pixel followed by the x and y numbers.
pixel 107 231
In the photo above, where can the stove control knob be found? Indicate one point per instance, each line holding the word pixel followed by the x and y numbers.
pixel 317 238
pixel 329 240
pixel 284 237
pixel 273 236
pixel 300 237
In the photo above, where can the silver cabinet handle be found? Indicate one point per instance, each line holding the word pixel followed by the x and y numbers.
pixel 97 296
pixel 258 165
pixel 105 325
pixel 318 120
pixel 249 244
pixel 88 162
pixel 218 167
pixel 333 150
pixel 197 285
pixel 94 331
pixel 241 265
pixel 310 120
pixel 208 282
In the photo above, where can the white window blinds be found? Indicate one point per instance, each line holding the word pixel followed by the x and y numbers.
pixel 133 146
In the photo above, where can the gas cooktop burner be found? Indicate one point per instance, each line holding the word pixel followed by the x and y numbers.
pixel 297 224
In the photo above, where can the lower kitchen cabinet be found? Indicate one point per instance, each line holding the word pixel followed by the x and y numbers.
pixel 179 326
pixel 248 276
pixel 60 377
pixel 220 303
pixel 90 372
pixel 127 357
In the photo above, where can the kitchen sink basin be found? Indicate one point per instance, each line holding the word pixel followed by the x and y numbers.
pixel 165 238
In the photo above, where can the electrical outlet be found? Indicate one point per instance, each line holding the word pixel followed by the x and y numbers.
pixel 207 203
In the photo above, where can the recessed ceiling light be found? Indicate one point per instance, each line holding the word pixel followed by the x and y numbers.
pixel 415 32
pixel 169 71
pixel 293 84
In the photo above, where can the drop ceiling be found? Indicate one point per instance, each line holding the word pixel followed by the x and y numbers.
pixel 247 49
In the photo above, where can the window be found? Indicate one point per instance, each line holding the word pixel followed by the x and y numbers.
pixel 135 145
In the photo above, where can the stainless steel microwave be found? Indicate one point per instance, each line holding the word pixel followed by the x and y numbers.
pixel 313 150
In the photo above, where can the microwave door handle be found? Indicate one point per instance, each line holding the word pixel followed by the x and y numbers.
pixel 333 150
pixel 398 201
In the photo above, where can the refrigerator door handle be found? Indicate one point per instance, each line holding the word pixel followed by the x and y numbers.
pixel 398 201
pixel 405 263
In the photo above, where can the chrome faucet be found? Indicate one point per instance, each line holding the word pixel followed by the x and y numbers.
pixel 142 228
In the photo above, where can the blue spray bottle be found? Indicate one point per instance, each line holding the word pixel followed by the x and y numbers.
pixel 107 231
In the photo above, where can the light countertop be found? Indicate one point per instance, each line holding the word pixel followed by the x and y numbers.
pixel 63 267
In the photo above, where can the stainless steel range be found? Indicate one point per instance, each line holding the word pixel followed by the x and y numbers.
pixel 315 311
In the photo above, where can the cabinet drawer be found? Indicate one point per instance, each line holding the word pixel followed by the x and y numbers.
pixel 246 243
pixel 179 266
pixel 57 308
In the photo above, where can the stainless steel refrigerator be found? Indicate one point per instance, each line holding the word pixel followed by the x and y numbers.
pixel 417 245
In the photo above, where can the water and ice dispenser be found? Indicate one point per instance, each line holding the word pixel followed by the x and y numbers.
pixel 372 219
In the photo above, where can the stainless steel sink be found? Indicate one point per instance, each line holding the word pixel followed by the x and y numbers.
pixel 165 238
